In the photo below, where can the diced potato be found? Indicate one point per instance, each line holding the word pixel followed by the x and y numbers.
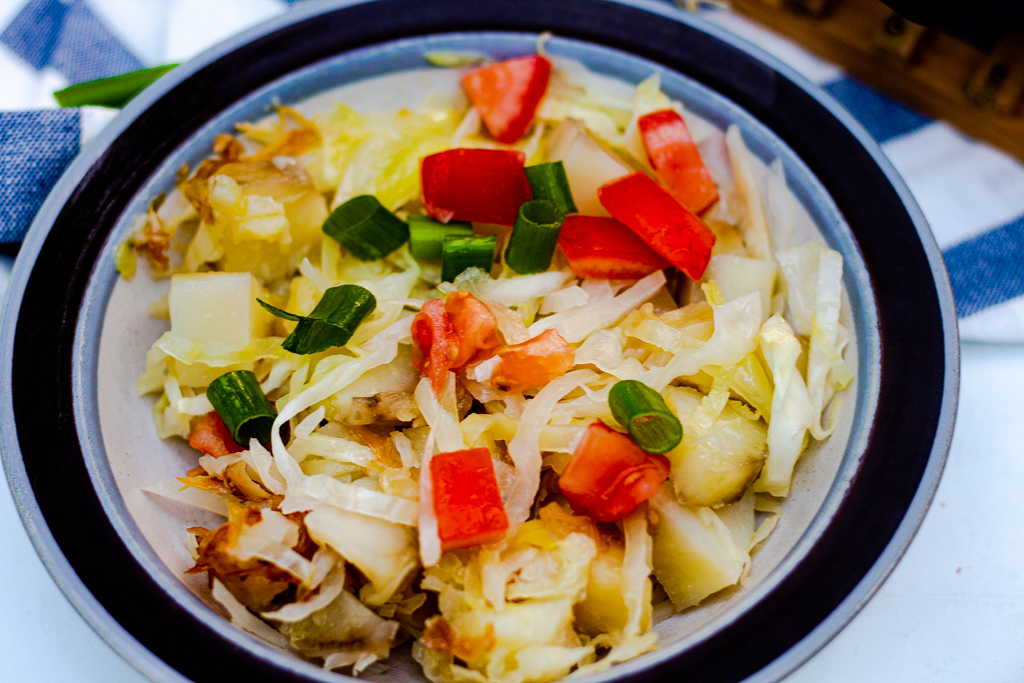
pixel 727 239
pixel 218 307
pixel 695 555
pixel 302 299
pixel 739 275
pixel 603 610
pixel 385 552
pixel 715 462
pixel 306 215
pixel 588 165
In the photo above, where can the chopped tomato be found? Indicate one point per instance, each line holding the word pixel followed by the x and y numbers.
pixel 660 220
pixel 433 335
pixel 479 185
pixel 605 248
pixel 450 333
pixel 467 501
pixel 533 363
pixel 211 436
pixel 507 94
pixel 476 330
pixel 609 476
pixel 676 159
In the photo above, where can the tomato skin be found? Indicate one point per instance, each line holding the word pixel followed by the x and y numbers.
pixel 450 333
pixel 605 248
pixel 479 185
pixel 609 476
pixel 533 363
pixel 467 500
pixel 476 330
pixel 507 94
pixel 433 336
pixel 211 436
pixel 676 159
pixel 660 220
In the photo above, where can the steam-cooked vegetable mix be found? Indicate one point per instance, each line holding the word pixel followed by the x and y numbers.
pixel 495 374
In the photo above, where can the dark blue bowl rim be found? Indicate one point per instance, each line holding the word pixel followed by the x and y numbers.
pixel 872 527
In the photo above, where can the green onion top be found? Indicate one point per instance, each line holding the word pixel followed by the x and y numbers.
pixel 534 237
pixel 332 323
pixel 460 253
pixel 364 227
pixel 455 59
pixel 238 399
pixel 548 181
pixel 114 92
pixel 426 235
pixel 643 411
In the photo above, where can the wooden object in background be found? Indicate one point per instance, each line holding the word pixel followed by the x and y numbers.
pixel 938 75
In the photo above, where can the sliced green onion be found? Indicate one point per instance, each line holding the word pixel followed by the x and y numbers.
pixel 113 92
pixel 456 59
pixel 548 181
pixel 460 253
pixel 238 399
pixel 643 412
pixel 534 237
pixel 427 235
pixel 332 323
pixel 364 227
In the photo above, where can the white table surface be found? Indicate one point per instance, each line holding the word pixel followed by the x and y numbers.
pixel 951 612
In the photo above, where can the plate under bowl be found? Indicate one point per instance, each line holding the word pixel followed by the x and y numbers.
pixel 854 508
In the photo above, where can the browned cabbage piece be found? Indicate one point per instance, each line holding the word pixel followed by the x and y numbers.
pixel 257 584
pixel 346 625
pixel 440 636
pixel 235 481
pixel 291 135
pixel 254 212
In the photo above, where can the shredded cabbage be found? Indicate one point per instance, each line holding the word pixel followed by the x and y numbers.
pixel 524 449
pixel 792 410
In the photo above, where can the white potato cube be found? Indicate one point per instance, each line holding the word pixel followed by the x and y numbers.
pixel 588 165
pixel 739 275
pixel 218 307
pixel 695 554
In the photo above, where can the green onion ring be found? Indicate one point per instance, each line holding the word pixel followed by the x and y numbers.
pixel 242 405
pixel 643 411
pixel 364 227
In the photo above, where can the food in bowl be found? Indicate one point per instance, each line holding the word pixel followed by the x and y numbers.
pixel 495 374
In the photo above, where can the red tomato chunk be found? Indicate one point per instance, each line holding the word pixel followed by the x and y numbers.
pixel 467 501
pixel 479 185
pixel 211 436
pixel 609 476
pixel 676 159
pixel 450 333
pixel 605 248
pixel 660 220
pixel 533 363
pixel 507 94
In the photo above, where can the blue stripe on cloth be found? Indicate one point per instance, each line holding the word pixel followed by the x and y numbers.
pixel 988 269
pixel 884 118
pixel 67 36
pixel 35 148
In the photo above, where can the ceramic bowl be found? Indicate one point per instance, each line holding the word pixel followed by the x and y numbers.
pixel 79 443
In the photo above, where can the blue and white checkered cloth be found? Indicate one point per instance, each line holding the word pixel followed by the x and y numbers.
pixel 972 195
